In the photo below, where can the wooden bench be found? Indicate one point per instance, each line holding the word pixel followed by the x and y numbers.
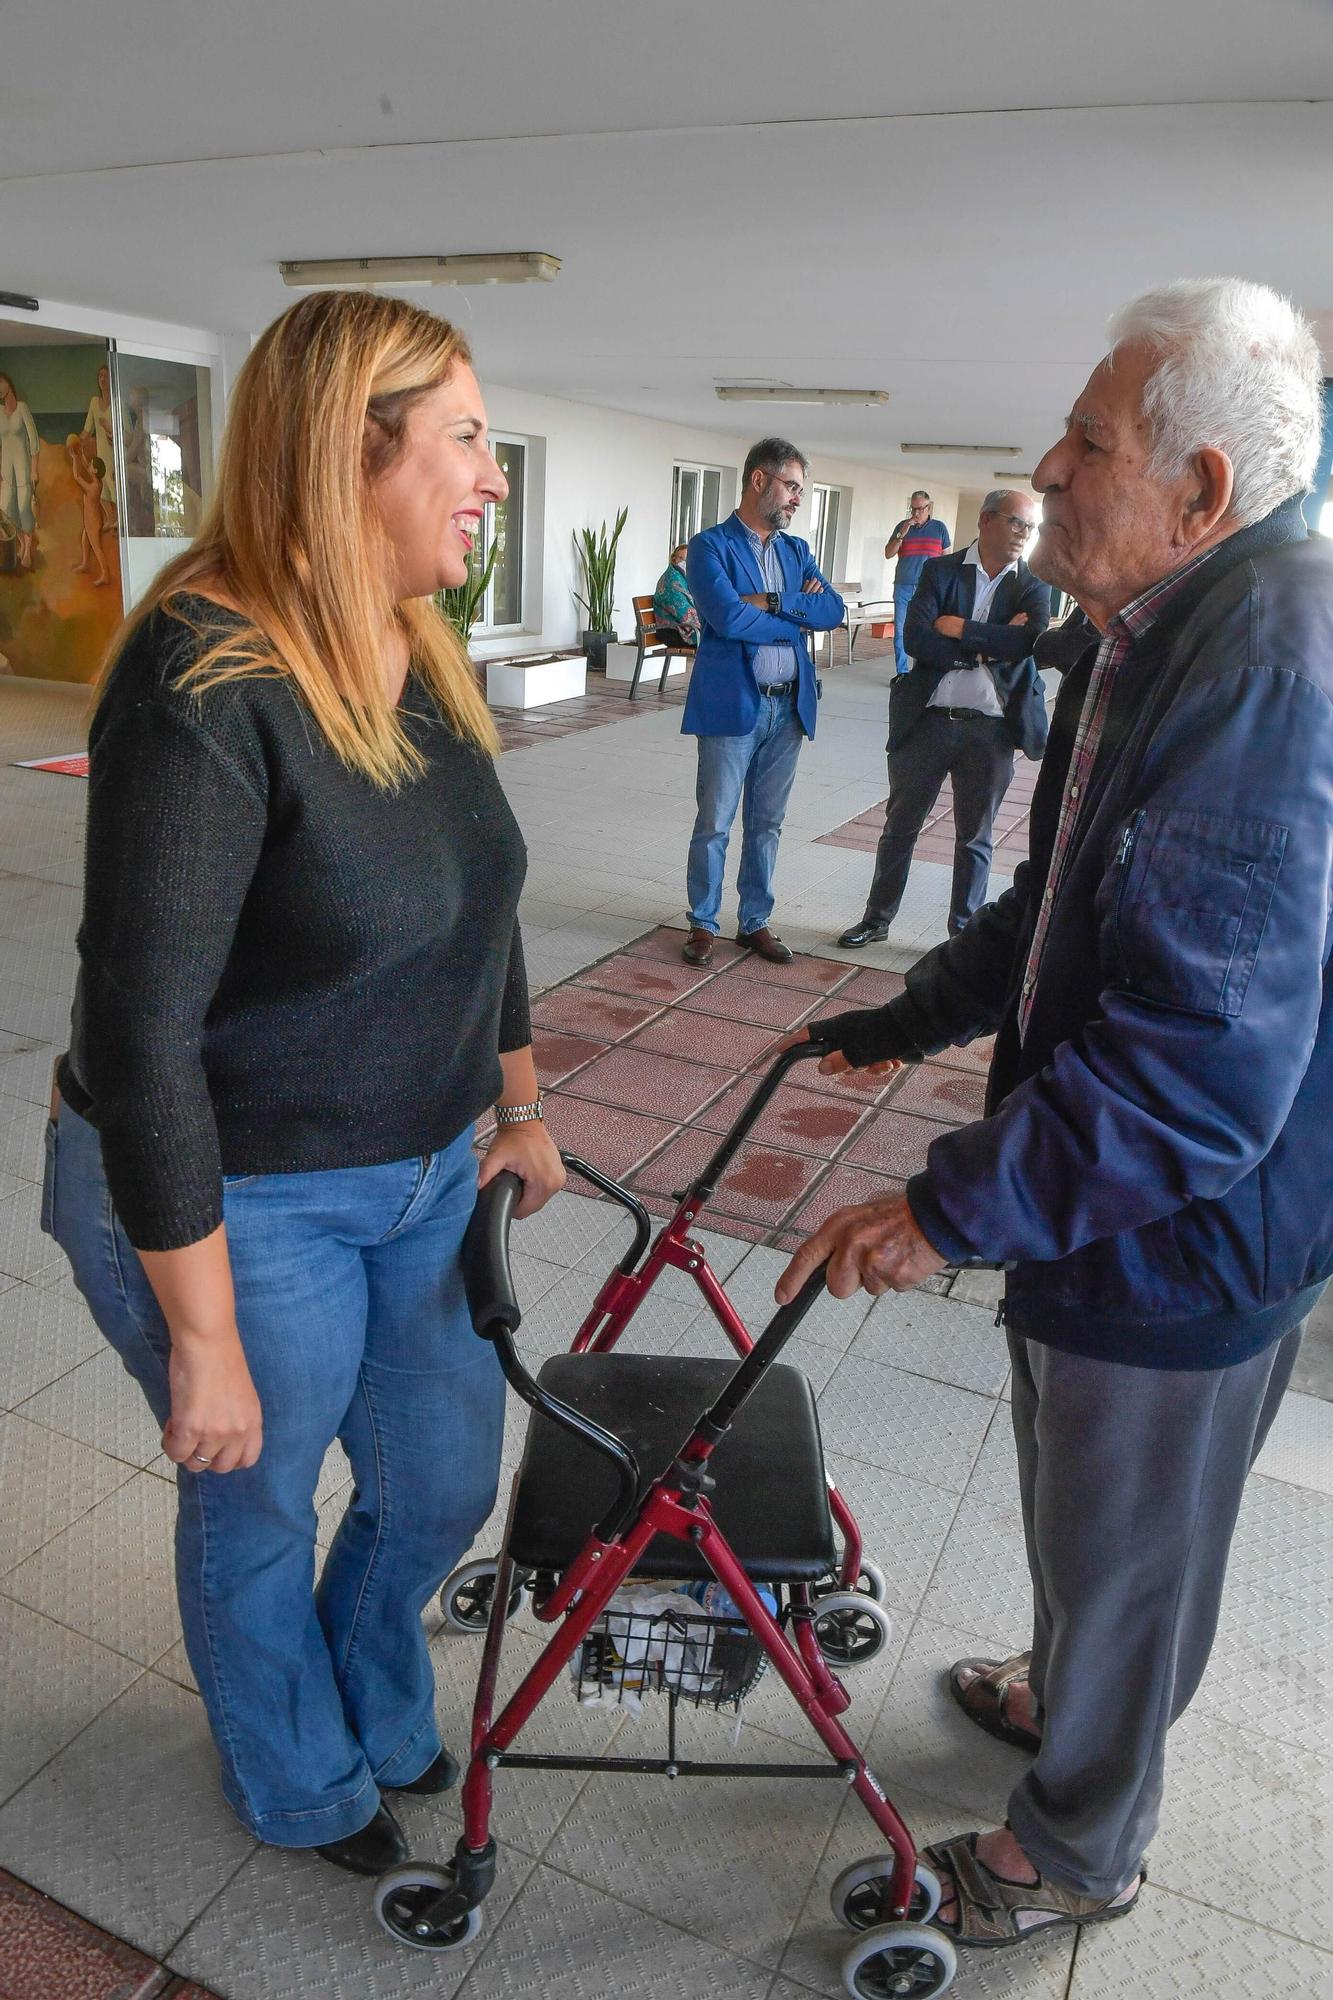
pixel 647 641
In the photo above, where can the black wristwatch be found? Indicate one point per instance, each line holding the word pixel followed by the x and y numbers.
pixel 774 603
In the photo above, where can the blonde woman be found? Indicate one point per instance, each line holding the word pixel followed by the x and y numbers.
pixel 301 983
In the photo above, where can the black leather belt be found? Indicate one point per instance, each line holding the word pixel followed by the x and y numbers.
pixel 967 715
pixel 780 687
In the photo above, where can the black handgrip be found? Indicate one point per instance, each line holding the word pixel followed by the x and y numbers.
pixel 487 1278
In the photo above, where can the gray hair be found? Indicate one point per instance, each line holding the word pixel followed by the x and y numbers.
pixel 995 499
pixel 1239 371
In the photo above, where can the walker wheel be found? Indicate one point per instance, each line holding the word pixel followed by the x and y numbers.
pixel 859 1895
pixel 896 1961
pixel 465 1600
pixel 870 1582
pixel 852 1629
pixel 402 1895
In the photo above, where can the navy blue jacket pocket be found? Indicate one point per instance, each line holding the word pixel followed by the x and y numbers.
pixel 1193 900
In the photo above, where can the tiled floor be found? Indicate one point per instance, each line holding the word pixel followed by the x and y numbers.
pixel 609 1885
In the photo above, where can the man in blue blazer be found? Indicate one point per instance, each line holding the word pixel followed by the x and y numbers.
pixel 971 697
pixel 753 695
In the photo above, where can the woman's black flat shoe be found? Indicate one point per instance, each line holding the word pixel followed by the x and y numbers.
pixel 378 1845
pixel 437 1777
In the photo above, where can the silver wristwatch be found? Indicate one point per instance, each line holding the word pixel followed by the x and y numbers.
pixel 519 1114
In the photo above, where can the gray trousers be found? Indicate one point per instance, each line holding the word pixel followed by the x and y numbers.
pixel 977 756
pixel 1131 1480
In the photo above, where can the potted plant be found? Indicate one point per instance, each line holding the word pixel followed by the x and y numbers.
pixel 462 603
pixel 596 554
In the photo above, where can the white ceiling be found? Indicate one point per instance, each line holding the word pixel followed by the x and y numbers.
pixel 944 201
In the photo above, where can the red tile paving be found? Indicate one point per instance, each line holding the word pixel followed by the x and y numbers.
pixel 600 1017
pixel 936 840
pixel 659 1086
pixel 736 997
pixel 558 1056
pixel 650 979
pixel 893 1143
pixel 608 1138
pixel 799 1121
pixel 646 1091
pixel 942 1093
pixel 704 1038
pixel 761 1185
pixel 842 1188
pixel 49 1953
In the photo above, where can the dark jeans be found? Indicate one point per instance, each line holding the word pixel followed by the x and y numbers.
pixel 978 756
pixel 1131 1480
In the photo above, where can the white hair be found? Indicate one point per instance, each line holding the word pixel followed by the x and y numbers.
pixel 1240 371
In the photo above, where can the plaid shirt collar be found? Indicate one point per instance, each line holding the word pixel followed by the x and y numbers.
pixel 1127 629
pixel 1137 618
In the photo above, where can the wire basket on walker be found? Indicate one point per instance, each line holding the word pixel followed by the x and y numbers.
pixel 675 1525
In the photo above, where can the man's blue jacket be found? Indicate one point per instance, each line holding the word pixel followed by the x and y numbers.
pixel 1156 1162
pixel 724 695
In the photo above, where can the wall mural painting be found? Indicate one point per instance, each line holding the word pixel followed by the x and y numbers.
pixel 60 591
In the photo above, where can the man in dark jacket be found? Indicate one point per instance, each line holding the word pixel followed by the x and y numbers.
pixel 1156 1163
pixel 971 697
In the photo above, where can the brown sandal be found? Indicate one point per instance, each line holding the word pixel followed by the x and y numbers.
pixel 983 1700
pixel 989 1906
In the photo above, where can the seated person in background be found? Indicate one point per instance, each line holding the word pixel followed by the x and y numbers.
pixel 674 614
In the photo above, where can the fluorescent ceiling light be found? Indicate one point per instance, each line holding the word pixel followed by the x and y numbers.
pixel 969 450
pixel 1005 472
pixel 764 392
pixel 492 267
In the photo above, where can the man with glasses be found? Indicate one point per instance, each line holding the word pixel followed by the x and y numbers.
pixel 753 697
pixel 914 542
pixel 971 697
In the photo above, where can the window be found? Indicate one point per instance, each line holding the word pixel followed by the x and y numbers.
pixel 502 529
pixel 825 508
pixel 696 500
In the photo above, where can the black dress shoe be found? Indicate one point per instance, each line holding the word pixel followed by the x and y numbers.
pixel 436 1777
pixel 379 1845
pixel 863 933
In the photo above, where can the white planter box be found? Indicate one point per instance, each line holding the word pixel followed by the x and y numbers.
pixel 532 683
pixel 620 665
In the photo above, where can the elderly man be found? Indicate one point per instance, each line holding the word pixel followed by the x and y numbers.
pixel 1155 1163
pixel 970 698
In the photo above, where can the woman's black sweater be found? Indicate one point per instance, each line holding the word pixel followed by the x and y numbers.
pixel 283 968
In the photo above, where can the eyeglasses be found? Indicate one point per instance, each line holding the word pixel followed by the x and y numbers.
pixel 1017 521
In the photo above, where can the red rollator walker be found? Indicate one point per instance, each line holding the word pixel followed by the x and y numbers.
pixel 674 1523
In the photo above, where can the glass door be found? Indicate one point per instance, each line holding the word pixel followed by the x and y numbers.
pixel 162 445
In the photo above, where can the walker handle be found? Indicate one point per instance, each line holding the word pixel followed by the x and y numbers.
pixel 487 1278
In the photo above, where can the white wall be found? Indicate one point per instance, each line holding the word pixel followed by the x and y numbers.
pixel 597 461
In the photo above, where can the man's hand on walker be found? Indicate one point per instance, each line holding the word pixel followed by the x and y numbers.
pixel 835 1063
pixel 875 1247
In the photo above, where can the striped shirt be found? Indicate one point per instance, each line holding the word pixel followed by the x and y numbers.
pixel 921 541
pixel 774 666
pixel 1123 633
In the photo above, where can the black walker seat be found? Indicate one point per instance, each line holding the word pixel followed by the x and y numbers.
pixel 771 1499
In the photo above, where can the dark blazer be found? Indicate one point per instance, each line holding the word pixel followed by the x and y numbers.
pixel 948 588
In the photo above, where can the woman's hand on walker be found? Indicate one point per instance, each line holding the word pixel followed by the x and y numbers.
pixel 875 1247
pixel 835 1062
pixel 216 1423
pixel 529 1151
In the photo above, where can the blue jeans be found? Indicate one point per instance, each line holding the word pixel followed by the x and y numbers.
pixel 902 598
pixel 758 769
pixel 349 1301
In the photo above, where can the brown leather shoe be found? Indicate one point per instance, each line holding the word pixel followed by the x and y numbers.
pixel 698 948
pixel 767 943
